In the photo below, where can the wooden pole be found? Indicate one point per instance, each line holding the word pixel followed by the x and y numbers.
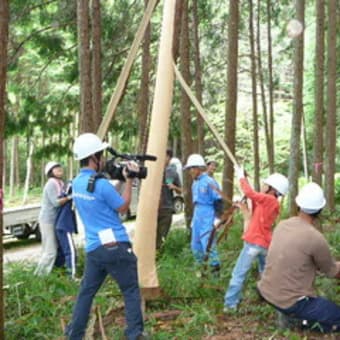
pixel 146 224
pixel 117 94
pixel 203 115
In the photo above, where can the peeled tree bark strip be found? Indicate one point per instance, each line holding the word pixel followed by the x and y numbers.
pixel 146 223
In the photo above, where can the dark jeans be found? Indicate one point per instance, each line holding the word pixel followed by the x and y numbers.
pixel 164 220
pixel 321 314
pixel 121 263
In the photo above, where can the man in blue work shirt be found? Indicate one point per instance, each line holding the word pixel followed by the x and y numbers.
pixel 108 248
pixel 204 199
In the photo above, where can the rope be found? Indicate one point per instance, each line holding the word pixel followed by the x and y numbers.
pixel 117 94
pixel 204 116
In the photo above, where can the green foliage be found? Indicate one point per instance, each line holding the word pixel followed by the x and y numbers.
pixel 34 305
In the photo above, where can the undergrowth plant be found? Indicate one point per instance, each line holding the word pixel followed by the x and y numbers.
pixel 39 307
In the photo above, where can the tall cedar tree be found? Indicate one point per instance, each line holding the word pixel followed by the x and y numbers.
pixel 231 102
pixel 96 65
pixel 83 21
pixel 330 142
pixel 143 98
pixel 186 142
pixel 198 78
pixel 318 96
pixel 294 160
pixel 254 97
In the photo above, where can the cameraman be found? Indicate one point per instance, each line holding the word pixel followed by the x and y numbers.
pixel 108 248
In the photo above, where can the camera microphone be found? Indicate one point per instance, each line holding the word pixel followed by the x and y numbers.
pixel 112 151
pixel 149 158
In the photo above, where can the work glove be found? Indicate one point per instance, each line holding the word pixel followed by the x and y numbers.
pixel 216 222
pixel 239 171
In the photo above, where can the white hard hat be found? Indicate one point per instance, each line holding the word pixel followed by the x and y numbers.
pixel 194 160
pixel 278 182
pixel 311 198
pixel 49 166
pixel 86 145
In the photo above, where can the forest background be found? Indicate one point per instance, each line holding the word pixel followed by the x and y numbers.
pixel 274 98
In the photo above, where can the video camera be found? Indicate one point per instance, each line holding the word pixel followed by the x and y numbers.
pixel 115 169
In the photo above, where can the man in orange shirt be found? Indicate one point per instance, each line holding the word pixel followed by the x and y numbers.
pixel 257 236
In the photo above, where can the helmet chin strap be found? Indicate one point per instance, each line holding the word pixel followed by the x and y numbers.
pixel 96 162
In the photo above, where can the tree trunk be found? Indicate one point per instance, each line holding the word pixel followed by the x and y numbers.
pixel 186 140
pixel 294 160
pixel 96 65
pixel 13 166
pixel 4 23
pixel 318 97
pixel 146 224
pixel 330 142
pixel 143 99
pixel 231 102
pixel 177 29
pixel 263 94
pixel 28 173
pixel 198 79
pixel 254 98
pixel 86 123
pixel 271 88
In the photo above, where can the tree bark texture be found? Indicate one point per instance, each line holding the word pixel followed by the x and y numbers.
pixel 96 68
pixel 83 21
pixel 231 100
pixel 254 97
pixel 143 99
pixel 270 87
pixel 186 131
pixel 294 160
pixel 318 95
pixel 330 140
pixel 198 79
pixel 267 136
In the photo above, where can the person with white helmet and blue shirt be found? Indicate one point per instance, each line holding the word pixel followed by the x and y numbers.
pixel 204 199
pixel 297 254
pixel 257 235
pixel 107 244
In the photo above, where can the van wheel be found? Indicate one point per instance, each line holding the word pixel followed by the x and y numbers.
pixel 178 205
pixel 25 234
pixel 37 233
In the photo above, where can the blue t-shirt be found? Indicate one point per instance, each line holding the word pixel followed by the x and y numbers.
pixel 98 209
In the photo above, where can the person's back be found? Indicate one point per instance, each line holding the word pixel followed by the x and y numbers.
pixel 297 253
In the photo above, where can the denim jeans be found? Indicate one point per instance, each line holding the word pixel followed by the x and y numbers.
pixel 121 263
pixel 249 253
pixel 321 314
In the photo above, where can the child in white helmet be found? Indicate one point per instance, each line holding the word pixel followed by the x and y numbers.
pixel 257 235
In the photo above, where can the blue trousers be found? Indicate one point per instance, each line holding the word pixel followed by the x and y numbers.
pixel 66 243
pixel 121 263
pixel 250 253
pixel 201 227
pixel 321 314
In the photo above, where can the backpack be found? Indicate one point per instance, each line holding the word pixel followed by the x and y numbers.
pixel 66 217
